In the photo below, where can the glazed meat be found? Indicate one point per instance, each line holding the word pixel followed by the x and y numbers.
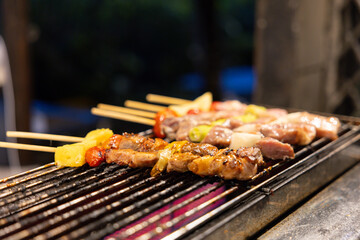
pixel 184 152
pixel 133 150
pixel 135 142
pixel 200 149
pixel 238 164
pixel 131 158
pixel 292 133
pixel 179 162
pixel 182 156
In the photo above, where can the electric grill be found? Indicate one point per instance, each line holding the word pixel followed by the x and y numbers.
pixel 115 202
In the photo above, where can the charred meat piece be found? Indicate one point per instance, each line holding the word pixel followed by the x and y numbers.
pixel 274 149
pixel 135 142
pixel 292 133
pixel 200 149
pixel 179 154
pixel 179 162
pixel 238 164
pixel 133 150
pixel 131 158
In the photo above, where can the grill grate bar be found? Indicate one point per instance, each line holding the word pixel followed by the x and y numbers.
pixel 125 204
pixel 4 180
pixel 187 214
pixel 37 184
pixel 108 175
pixel 32 177
pixel 94 202
pixel 171 210
pixel 36 196
pixel 30 221
pixel 305 150
pixel 236 200
pixel 122 213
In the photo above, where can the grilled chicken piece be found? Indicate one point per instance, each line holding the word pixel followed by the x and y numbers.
pixel 186 153
pixel 238 164
pixel 133 150
pixel 292 133
pixel 179 162
pixel 327 127
pixel 131 158
pixel 274 149
pixel 135 142
pixel 200 149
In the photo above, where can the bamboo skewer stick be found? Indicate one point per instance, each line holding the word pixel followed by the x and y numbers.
pixel 165 100
pixel 27 147
pixel 126 110
pixel 43 136
pixel 144 106
pixel 123 116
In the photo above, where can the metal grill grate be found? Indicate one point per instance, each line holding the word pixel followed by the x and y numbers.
pixel 120 203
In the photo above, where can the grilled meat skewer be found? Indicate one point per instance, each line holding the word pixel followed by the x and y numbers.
pixel 178 156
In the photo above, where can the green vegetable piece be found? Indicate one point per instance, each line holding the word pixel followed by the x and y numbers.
pixel 198 133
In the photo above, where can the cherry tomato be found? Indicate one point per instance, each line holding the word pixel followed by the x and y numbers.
pixel 95 156
pixel 214 106
pixel 159 118
pixel 194 111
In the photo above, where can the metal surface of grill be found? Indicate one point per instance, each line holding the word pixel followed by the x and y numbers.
pixel 114 202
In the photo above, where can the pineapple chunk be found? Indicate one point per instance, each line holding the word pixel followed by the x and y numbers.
pixel 255 109
pixel 100 135
pixel 203 103
pixel 247 117
pixel 73 155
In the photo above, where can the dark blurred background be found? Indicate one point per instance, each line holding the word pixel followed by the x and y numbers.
pixel 67 56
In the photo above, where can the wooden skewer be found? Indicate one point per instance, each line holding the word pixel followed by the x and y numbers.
pixel 165 100
pixel 144 106
pixel 43 136
pixel 126 110
pixel 27 147
pixel 122 116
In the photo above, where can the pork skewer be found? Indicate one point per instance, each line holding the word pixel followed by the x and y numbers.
pixel 202 159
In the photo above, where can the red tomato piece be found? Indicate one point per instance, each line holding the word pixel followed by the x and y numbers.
pixel 194 111
pixel 214 105
pixel 95 156
pixel 159 118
